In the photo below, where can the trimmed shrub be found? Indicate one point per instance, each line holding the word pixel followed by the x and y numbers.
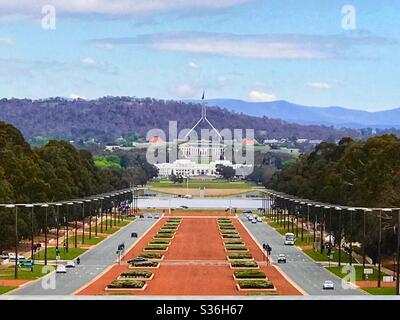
pixel 156 247
pixel 231 236
pixel 249 274
pixel 136 274
pixel 233 241
pixel 229 231
pixel 224 220
pixel 235 247
pixel 151 255
pixel 163 235
pixel 145 264
pixel 240 256
pixel 225 227
pixel 244 264
pixel 126 284
pixel 255 284
pixel 166 231
pixel 159 241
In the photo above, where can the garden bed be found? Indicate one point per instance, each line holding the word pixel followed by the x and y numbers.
pixel 136 275
pixel 156 247
pixel 256 285
pixel 253 274
pixel 233 241
pixel 236 247
pixel 243 264
pixel 126 285
pixel 152 256
pixel 146 264
pixel 228 231
pixel 160 241
pixel 240 256
pixel 225 227
pixel 163 236
pixel 230 236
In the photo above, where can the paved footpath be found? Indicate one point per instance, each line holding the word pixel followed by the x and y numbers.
pixel 305 272
pixel 93 262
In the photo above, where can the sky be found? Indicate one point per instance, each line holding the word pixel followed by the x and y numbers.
pixel 310 52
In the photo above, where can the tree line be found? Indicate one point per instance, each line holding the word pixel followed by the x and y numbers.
pixel 351 173
pixel 55 172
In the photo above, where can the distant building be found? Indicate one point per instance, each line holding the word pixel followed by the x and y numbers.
pixel 315 142
pixel 301 141
pixel 202 149
pixel 190 168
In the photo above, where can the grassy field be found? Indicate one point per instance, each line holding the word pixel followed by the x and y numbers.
pixel 114 228
pixel 196 184
pixel 51 253
pixel 381 291
pixel 4 290
pixel 318 256
pixel 23 274
pixel 359 273
pixel 93 241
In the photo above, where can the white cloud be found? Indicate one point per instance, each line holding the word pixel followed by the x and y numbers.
pixel 6 41
pixel 193 65
pixel 107 46
pixel 221 80
pixel 261 96
pixel 114 7
pixel 89 62
pixel 264 46
pixel 319 85
pixel 185 91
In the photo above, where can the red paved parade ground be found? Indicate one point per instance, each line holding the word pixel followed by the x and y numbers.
pixel 195 263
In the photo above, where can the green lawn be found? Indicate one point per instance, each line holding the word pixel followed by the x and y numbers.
pixel 381 291
pixel 359 273
pixel 110 230
pixel 51 253
pixel 4 290
pixel 23 274
pixel 318 256
pixel 195 184
pixel 93 241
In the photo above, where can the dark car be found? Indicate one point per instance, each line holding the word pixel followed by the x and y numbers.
pixel 138 259
pixel 141 216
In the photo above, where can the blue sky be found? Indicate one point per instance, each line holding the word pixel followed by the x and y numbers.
pixel 259 50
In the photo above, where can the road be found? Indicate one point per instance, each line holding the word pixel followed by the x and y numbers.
pixel 306 273
pixel 93 263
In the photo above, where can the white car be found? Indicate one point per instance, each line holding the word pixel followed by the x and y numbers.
pixel 156 216
pixel 188 196
pixel 254 220
pixel 11 256
pixel 259 219
pixel 70 264
pixel 61 269
pixel 328 285
pixel 281 258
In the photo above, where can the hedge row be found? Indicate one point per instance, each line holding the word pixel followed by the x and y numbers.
pixel 249 274
pixel 240 256
pixel 235 247
pixel 126 284
pixel 136 274
pixel 150 256
pixel 256 284
pixel 244 264
pixel 145 264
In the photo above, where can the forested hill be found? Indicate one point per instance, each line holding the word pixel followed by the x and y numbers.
pixel 108 118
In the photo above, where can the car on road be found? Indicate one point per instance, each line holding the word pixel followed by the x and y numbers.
pixel 259 219
pixel 188 196
pixel 254 220
pixel 141 216
pixel 70 264
pixel 248 212
pixel 281 258
pixel 156 216
pixel 250 218
pixel 138 259
pixel 184 207
pixel 150 216
pixel 61 269
pixel 328 285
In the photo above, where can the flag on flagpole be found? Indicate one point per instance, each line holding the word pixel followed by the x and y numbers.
pixel 204 93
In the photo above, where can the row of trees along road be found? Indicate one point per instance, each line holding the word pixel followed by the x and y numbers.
pixel 351 173
pixel 54 172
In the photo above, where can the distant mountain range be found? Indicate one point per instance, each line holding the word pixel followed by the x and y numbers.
pixel 332 116
pixel 109 118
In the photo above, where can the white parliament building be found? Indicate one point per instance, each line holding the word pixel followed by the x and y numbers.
pixel 201 157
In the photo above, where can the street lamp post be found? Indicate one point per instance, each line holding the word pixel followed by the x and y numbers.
pixel 398 255
pixel 46 206
pixel 352 210
pixel 13 206
pixel 58 205
pixel 340 235
pixel 32 229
